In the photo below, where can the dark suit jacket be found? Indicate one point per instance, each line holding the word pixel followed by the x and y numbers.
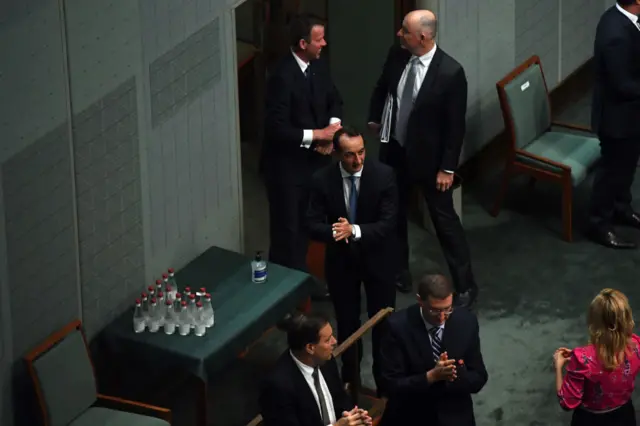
pixel 377 210
pixel 616 95
pixel 294 104
pixel 437 122
pixel 406 358
pixel 287 400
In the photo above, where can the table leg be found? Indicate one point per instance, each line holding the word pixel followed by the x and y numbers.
pixel 201 404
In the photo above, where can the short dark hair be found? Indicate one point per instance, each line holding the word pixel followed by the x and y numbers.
pixel 434 285
pixel 300 29
pixel 347 131
pixel 303 329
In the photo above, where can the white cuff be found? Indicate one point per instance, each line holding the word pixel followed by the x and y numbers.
pixel 448 171
pixel 307 138
pixel 356 232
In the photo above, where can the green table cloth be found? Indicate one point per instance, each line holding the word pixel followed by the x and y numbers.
pixel 243 311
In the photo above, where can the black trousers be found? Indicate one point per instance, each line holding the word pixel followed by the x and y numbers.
pixel 611 192
pixel 345 284
pixel 446 222
pixel 289 239
pixel 623 416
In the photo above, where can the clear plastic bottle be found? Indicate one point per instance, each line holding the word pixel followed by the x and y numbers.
pixel 186 293
pixel 145 305
pixel 169 318
pixel 139 321
pixel 161 308
pixel 177 302
pixel 200 326
pixel 154 323
pixel 170 288
pixel 158 286
pixel 192 309
pixel 172 279
pixel 208 311
pixel 184 320
pixel 258 269
pixel 200 293
pixel 152 292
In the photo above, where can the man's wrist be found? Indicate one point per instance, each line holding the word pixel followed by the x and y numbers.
pixel 430 377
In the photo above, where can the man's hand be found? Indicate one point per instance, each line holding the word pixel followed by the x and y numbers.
pixel 324 148
pixel 327 133
pixel 354 417
pixel 444 181
pixel 342 230
pixel 445 369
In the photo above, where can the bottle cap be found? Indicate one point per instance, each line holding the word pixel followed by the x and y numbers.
pixel 165 276
pixel 158 282
pixel 183 303
pixel 187 289
pixel 168 302
pixel 178 295
pixel 171 270
pixel 160 294
pixel 169 289
pixel 208 295
pixel 199 304
pixel 192 296
pixel 143 295
pixel 153 300
pixel 203 290
pixel 138 301
pixel 150 288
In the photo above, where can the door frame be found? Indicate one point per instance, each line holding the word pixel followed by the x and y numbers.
pixel 402 7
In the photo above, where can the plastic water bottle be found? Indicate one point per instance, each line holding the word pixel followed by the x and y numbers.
pixel 198 320
pixel 154 323
pixel 258 269
pixel 208 311
pixel 139 321
pixel 184 319
pixel 169 318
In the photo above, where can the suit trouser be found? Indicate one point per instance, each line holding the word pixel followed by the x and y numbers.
pixel 345 285
pixel 289 239
pixel 446 221
pixel 611 192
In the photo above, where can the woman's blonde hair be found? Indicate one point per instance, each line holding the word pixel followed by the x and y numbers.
pixel 611 324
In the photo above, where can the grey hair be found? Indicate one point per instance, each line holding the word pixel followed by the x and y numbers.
pixel 428 25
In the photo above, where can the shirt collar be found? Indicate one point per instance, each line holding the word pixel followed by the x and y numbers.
pixel 427 57
pixel 307 370
pixel 345 174
pixel 302 64
pixel 631 16
pixel 428 324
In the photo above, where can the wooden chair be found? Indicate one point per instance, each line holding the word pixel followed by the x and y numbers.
pixel 362 395
pixel 65 384
pixel 535 148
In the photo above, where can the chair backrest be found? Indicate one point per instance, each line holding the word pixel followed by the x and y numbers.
pixel 524 100
pixel 63 376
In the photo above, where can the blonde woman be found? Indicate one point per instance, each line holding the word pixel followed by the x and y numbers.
pixel 599 377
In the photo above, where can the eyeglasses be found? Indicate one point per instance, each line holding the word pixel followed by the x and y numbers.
pixel 448 311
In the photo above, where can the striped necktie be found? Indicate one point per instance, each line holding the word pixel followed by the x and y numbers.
pixel 436 342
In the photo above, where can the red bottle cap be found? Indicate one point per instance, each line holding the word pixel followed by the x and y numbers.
pixel 199 304
pixel 138 301
pixel 153 300
pixel 187 289
pixel 192 296
pixel 203 290
pixel 160 294
pixel 208 295
pixel 143 295
pixel 171 270
pixel 184 303
pixel 178 295
pixel 158 282
pixel 165 276
pixel 150 288
pixel 169 288
pixel 168 303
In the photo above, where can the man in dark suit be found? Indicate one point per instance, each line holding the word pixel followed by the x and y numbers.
pixel 302 113
pixel 353 209
pixel 428 89
pixel 304 388
pixel 431 360
pixel 615 117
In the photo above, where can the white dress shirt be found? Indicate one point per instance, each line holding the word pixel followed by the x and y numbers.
pixel 307 134
pixel 430 326
pixel 307 373
pixel 631 16
pixel 346 188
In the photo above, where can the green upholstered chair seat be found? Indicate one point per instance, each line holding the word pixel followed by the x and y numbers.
pixel 99 416
pixel 576 151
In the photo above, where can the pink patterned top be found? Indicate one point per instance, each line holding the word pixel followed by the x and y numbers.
pixel 589 385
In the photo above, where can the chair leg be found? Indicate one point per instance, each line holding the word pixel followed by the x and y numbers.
pixel 567 210
pixel 502 191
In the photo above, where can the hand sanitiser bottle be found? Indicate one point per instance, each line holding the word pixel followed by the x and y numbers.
pixel 258 269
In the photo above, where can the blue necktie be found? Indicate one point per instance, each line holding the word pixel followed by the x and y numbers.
pixel 353 200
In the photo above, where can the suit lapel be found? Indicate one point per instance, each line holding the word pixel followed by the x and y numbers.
pixel 449 332
pixel 430 78
pixel 302 389
pixel 421 336
pixel 304 83
pixel 334 384
pixel 365 189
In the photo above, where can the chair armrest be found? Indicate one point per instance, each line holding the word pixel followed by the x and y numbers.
pixel 564 167
pixel 134 407
pixel 571 126
pixel 383 313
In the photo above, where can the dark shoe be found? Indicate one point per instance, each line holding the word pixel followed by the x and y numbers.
pixel 466 299
pixel 611 240
pixel 631 219
pixel 403 282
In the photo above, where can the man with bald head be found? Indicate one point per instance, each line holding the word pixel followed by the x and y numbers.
pixel 428 91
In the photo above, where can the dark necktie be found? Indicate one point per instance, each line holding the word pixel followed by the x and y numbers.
pixel 323 403
pixel 353 200
pixel 436 342
pixel 406 102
